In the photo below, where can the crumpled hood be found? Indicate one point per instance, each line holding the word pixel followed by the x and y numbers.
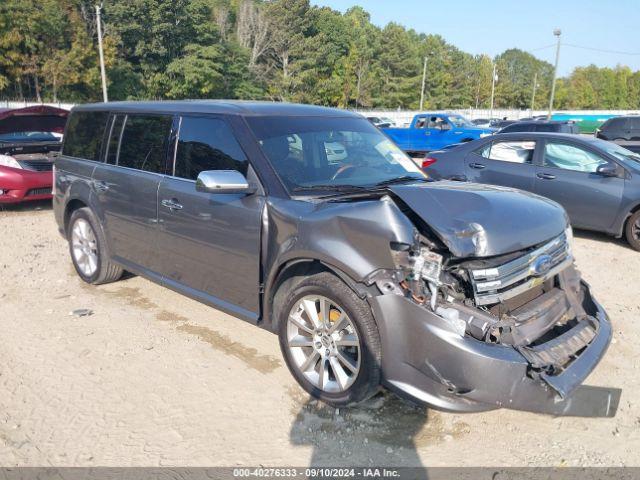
pixel 475 220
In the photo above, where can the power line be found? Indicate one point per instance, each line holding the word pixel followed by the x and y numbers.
pixel 618 52
pixel 542 48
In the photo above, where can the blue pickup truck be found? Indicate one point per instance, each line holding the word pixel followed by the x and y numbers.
pixel 432 131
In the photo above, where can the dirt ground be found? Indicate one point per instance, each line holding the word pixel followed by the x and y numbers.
pixel 152 378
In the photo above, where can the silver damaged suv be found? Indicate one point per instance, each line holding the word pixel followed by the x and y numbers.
pixel 309 222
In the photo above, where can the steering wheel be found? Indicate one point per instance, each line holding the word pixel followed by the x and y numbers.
pixel 344 168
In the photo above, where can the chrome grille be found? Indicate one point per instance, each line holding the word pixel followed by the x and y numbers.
pixel 493 285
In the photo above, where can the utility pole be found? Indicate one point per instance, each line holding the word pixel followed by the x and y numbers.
pixel 533 95
pixel 493 89
pixel 103 74
pixel 424 78
pixel 557 32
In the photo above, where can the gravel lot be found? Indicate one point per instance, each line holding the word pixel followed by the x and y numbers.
pixel 153 378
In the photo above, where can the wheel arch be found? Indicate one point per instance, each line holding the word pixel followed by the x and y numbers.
pixel 300 267
pixel 71 206
pixel 624 218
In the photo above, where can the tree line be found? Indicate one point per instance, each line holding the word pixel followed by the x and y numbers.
pixel 275 50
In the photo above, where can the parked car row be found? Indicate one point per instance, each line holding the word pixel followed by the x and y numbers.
pixel 460 296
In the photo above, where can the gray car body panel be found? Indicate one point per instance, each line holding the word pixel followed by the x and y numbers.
pixel 350 236
pixel 470 218
pixel 593 202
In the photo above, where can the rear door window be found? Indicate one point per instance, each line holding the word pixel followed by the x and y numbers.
pixel 144 142
pixel 207 144
pixel 510 151
pixel 83 135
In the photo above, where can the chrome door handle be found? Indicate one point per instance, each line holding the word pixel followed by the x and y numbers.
pixel 477 166
pixel 172 204
pixel 546 176
pixel 101 187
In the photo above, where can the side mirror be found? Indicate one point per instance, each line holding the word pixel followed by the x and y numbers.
pixel 607 170
pixel 445 126
pixel 223 181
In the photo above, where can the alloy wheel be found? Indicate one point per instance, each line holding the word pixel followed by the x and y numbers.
pixel 84 247
pixel 323 343
pixel 636 229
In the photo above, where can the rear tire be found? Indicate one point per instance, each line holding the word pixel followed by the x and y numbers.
pixel 632 230
pixel 339 365
pixel 87 246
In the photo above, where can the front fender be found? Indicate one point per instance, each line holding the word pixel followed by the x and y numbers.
pixel 351 238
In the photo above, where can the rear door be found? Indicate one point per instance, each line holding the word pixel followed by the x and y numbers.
pixel 126 186
pixel 568 175
pixel 210 243
pixel 503 162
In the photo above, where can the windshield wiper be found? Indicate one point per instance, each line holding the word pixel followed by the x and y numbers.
pixel 403 179
pixel 329 188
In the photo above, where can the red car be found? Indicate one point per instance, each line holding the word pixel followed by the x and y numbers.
pixel 29 138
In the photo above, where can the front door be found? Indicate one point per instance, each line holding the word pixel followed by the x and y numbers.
pixel 508 163
pixel 439 133
pixel 568 175
pixel 210 243
pixel 127 185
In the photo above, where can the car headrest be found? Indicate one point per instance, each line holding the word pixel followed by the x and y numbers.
pixel 276 148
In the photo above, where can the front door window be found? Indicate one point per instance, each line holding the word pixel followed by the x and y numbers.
pixel 568 157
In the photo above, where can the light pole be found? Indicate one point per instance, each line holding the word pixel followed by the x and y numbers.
pixel 557 32
pixel 103 73
pixel 493 89
pixel 424 79
pixel 533 95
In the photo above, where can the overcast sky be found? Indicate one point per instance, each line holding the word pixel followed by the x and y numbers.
pixel 492 26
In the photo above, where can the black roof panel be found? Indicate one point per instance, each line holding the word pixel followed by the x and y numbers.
pixel 229 107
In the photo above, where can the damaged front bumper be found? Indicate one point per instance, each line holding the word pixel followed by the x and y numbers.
pixel 425 359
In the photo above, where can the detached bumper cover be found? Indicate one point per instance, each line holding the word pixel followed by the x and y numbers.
pixel 21 185
pixel 423 358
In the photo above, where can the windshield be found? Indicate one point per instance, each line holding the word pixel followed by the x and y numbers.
pixel 19 137
pixel 460 121
pixel 619 152
pixel 331 153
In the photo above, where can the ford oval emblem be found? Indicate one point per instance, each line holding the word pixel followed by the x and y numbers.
pixel 541 265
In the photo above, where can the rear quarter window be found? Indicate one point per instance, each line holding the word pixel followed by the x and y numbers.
pixel 83 135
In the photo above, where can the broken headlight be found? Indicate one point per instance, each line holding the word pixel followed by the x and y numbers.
pixel 428 265
pixel 568 233
pixel 416 263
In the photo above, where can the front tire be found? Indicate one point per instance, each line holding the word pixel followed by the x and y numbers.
pixel 632 230
pixel 87 247
pixel 329 340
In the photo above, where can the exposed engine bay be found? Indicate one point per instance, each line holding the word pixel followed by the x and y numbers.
pixel 531 299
